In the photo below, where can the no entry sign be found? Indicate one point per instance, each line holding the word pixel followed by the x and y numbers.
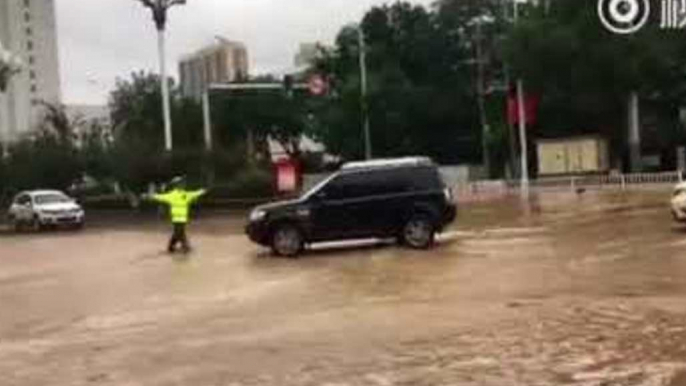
pixel 317 85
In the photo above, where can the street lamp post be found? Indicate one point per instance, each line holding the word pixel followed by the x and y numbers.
pixel 363 96
pixel 159 9
pixel 481 94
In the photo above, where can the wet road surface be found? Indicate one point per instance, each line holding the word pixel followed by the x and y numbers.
pixel 572 290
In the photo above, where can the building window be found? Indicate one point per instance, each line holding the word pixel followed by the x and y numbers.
pixel 34 88
pixel 27 17
pixel 27 3
pixel 29 31
pixel 32 74
pixel 32 60
pixel 29 45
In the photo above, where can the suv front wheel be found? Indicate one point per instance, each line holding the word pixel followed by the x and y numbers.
pixel 287 240
pixel 419 232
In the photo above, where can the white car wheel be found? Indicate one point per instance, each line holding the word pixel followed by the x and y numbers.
pixel 16 224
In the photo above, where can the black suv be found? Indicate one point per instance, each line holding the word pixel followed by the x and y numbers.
pixel 404 198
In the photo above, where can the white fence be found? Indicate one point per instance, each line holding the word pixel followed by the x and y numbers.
pixel 619 182
pixel 458 178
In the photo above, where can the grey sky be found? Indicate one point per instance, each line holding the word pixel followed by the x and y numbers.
pixel 100 40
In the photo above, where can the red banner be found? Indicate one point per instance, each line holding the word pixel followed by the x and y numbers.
pixel 531 103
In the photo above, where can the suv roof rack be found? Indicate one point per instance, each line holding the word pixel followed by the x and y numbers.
pixel 388 163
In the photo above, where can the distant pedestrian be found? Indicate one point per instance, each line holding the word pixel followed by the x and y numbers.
pixel 179 200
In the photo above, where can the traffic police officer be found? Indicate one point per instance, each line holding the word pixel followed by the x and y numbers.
pixel 179 200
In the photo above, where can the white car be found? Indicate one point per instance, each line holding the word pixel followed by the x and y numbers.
pixel 679 202
pixel 45 208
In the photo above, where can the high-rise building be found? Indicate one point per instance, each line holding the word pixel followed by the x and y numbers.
pixel 28 29
pixel 306 55
pixel 225 61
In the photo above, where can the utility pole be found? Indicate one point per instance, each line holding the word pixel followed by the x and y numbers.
pixel 480 91
pixel 634 133
pixel 521 112
pixel 159 9
pixel 363 96
pixel 207 120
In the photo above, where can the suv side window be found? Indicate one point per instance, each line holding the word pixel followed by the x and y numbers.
pixel 347 186
pixel 391 181
pixel 334 189
pixel 422 179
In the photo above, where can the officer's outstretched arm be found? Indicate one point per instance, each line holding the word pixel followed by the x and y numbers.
pixel 197 194
pixel 163 198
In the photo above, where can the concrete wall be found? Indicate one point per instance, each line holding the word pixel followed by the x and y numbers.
pixel 462 174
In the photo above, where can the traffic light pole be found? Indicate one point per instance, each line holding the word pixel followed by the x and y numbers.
pixel 207 120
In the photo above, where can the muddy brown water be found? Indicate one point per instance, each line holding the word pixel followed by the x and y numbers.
pixel 565 289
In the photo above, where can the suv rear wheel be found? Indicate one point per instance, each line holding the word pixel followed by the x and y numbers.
pixel 418 232
pixel 287 240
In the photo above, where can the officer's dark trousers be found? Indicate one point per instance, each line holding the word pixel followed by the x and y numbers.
pixel 179 237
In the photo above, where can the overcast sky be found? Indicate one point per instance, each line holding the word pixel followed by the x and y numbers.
pixel 100 40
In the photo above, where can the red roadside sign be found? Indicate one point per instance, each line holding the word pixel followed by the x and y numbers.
pixel 317 85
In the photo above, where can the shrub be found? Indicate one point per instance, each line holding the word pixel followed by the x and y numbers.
pixel 250 183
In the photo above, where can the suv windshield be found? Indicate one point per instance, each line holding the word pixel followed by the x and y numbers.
pixel 51 198
pixel 318 187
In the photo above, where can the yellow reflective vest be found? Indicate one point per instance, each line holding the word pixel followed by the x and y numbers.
pixel 179 202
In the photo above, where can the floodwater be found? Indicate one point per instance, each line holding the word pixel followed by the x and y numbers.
pixel 569 289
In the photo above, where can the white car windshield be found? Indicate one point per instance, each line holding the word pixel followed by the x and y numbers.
pixel 51 198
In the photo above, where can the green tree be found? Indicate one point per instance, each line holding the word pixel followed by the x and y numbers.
pixel 585 73
pixel 136 112
pixel 48 158
pixel 481 26
pixel 95 151
pixel 268 114
pixel 137 156
pixel 420 99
